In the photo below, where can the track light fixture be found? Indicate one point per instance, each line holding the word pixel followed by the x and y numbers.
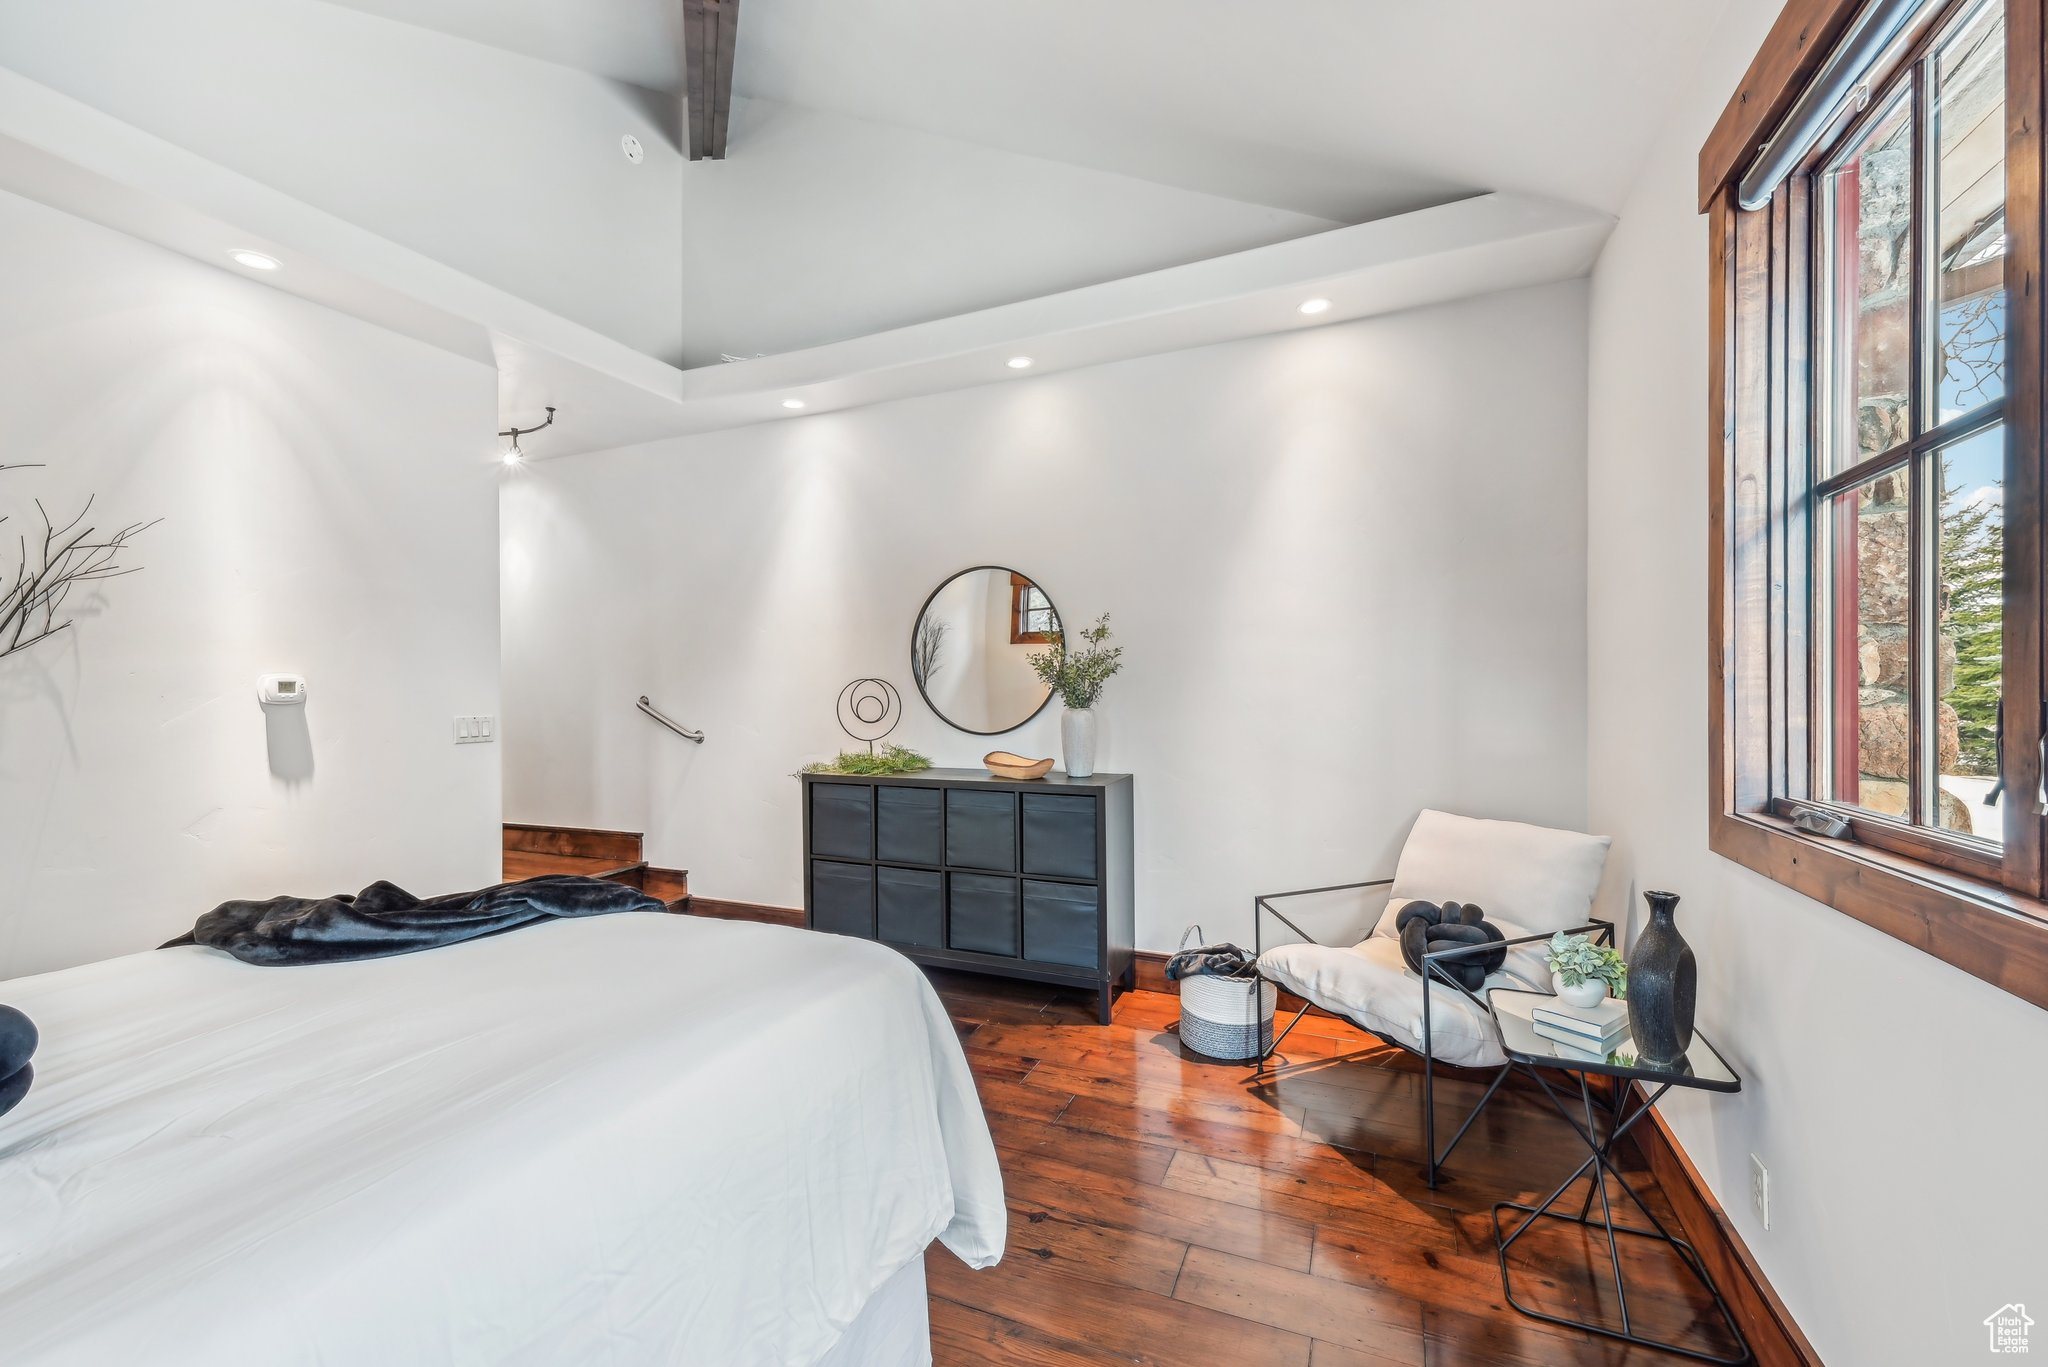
pixel 513 455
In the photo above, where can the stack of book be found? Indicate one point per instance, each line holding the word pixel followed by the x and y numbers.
pixel 1592 1032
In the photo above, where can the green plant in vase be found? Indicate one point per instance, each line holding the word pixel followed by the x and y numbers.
pixel 1582 972
pixel 1078 676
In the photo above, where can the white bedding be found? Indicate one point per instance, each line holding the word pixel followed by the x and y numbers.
pixel 636 1139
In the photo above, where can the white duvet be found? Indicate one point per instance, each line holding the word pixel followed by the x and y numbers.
pixel 635 1139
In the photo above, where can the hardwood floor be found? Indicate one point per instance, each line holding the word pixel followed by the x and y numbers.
pixel 1170 1212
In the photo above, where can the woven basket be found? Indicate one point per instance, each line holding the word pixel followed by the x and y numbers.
pixel 1225 1018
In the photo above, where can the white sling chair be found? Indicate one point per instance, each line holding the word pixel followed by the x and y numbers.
pixel 1530 881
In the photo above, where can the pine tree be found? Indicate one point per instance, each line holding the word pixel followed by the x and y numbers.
pixel 1973 589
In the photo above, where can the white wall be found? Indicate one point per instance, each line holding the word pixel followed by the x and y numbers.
pixel 1346 562
pixel 1895 1100
pixel 329 506
pixel 499 165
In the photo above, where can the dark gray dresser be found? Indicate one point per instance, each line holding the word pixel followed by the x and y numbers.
pixel 961 870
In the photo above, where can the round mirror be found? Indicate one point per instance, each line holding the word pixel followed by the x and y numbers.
pixel 970 649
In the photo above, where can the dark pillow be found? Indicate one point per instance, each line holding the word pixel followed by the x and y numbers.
pixel 15 1086
pixel 1425 927
pixel 17 1042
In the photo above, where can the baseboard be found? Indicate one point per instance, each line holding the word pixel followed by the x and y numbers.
pixel 1772 1333
pixel 743 911
pixel 1152 972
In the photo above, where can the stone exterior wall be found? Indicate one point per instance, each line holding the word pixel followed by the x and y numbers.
pixel 1882 186
pixel 1884 545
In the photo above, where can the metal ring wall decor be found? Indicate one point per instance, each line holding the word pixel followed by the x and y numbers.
pixel 869 710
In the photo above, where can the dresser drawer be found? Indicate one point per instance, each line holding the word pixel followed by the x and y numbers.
pixel 1062 923
pixel 843 898
pixel 981 830
pixel 843 820
pixel 910 826
pixel 1059 835
pixel 910 907
pixel 981 913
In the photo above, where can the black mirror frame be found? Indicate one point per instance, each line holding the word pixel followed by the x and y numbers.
pixel 917 679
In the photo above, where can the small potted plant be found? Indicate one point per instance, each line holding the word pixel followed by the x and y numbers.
pixel 1078 676
pixel 1582 972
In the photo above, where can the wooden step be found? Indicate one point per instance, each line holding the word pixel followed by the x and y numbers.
pixel 529 864
pixel 534 851
pixel 619 847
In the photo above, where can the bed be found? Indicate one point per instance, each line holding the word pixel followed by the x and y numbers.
pixel 633 1139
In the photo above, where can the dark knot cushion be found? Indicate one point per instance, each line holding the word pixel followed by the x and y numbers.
pixel 1426 927
pixel 18 1040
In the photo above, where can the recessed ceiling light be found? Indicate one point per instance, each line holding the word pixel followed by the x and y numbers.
pixel 255 261
pixel 1316 306
pixel 792 403
pixel 1020 363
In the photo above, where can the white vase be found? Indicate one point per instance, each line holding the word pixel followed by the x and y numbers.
pixel 1077 741
pixel 1591 992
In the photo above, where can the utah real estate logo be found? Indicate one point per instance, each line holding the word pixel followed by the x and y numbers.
pixel 2008 1327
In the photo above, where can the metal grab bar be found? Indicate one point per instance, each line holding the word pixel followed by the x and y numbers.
pixel 685 732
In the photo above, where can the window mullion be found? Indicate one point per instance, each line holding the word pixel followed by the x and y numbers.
pixel 1922 504
pixel 1947 434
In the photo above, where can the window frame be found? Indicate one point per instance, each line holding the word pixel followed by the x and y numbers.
pixel 1911 836
pixel 1977 908
pixel 1021 590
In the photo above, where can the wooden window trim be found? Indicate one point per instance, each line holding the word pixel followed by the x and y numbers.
pixel 1019 586
pixel 1986 918
pixel 1987 931
pixel 1792 52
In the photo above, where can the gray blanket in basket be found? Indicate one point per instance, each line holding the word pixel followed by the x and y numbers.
pixel 1214 961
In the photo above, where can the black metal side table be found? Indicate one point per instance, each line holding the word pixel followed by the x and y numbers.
pixel 1703 1068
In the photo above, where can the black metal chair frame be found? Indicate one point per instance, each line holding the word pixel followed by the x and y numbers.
pixel 1432 968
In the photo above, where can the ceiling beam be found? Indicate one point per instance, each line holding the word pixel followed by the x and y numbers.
pixel 710 28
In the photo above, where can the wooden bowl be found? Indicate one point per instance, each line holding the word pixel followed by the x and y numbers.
pixel 1003 764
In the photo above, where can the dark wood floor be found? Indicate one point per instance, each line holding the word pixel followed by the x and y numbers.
pixel 1169 1211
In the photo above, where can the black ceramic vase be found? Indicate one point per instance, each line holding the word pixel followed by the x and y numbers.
pixel 1662 985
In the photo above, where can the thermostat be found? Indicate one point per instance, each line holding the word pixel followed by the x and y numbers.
pixel 281 688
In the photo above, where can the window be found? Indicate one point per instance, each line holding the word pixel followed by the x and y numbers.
pixel 1031 616
pixel 1877 611
pixel 1909 340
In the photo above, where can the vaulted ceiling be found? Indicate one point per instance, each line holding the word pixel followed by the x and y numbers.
pixel 1343 110
pixel 891 163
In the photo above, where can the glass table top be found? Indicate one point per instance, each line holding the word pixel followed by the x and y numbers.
pixel 1702 1065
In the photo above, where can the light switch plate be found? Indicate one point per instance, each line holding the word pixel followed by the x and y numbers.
pixel 475 730
pixel 1760 1189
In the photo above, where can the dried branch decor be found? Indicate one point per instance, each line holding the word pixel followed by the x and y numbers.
pixel 47 568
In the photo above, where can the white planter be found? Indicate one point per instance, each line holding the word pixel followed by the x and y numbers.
pixel 1077 741
pixel 1227 1018
pixel 1591 992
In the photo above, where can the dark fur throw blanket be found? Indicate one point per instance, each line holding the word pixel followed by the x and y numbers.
pixel 384 919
